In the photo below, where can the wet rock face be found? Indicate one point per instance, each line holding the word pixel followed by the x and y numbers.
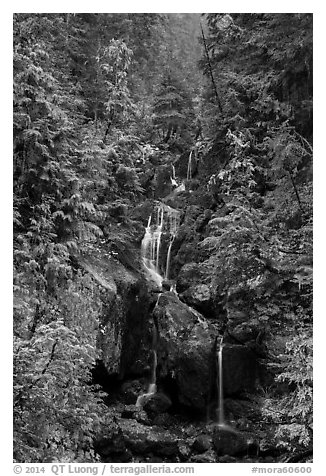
pixel 181 164
pixel 124 337
pixel 240 369
pixel 184 349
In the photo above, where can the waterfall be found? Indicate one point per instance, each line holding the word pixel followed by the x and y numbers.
pixel 167 222
pixel 168 259
pixel 174 224
pixel 152 387
pixel 150 247
pixel 189 170
pixel 173 172
pixel 173 178
pixel 158 232
pixel 173 289
pixel 220 419
pixel 180 188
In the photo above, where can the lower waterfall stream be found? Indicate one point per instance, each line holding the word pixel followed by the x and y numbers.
pixel 220 403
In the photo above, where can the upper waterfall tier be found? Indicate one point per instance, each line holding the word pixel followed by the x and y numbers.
pixel 167 221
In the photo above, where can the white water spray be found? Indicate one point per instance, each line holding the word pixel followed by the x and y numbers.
pixel 167 221
pixel 180 188
pixel 148 250
pixel 221 418
pixel 174 224
pixel 152 387
pixel 189 169
pixel 173 178
pixel 168 259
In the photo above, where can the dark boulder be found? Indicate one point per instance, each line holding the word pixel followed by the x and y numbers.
pixel 227 441
pixel 245 331
pixel 202 443
pixel 157 403
pixel 130 391
pixel 135 413
pixel 184 349
pixel 129 411
pixel 123 304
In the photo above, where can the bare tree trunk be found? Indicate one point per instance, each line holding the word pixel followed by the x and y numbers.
pixel 168 134
pixel 211 72
pixel 296 191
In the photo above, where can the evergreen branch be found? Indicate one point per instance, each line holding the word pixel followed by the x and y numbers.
pixel 19 396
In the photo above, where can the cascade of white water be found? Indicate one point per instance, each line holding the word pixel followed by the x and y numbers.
pixel 152 385
pixel 168 259
pixel 189 169
pixel 221 419
pixel 174 219
pixel 146 241
pixel 151 242
pixel 173 178
pixel 159 227
pixel 173 288
pixel 180 188
pixel 150 247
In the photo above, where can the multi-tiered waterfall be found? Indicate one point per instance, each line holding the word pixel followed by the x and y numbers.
pixel 167 223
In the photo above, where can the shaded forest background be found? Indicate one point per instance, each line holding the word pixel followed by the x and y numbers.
pixel 95 96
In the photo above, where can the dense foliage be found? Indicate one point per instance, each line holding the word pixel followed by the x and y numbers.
pixel 263 66
pixel 94 96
